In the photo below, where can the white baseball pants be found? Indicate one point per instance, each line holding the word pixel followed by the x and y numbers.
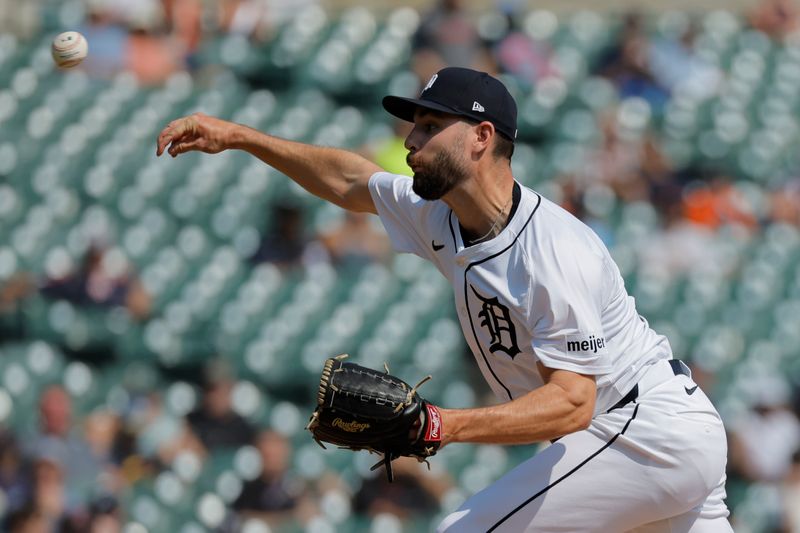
pixel 654 465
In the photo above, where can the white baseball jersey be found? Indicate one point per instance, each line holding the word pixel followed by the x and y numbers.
pixel 545 289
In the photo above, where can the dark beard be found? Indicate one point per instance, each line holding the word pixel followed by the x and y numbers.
pixel 443 174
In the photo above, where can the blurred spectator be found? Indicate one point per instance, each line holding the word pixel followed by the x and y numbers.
pixel 634 166
pixel 159 436
pixel 764 439
pixel 275 494
pixel 675 64
pixel 101 430
pixel 412 493
pixel 151 54
pixel 13 290
pixel 104 517
pixel 184 18
pixel 679 248
pixel 215 423
pixel 785 203
pixel 358 240
pixel 14 476
pixel 791 495
pixel 27 520
pixel 109 41
pixel 20 18
pixel 717 202
pixel 285 243
pixel 575 201
pixel 125 11
pixel 527 60
pixel 49 497
pixel 141 37
pixel 619 160
pixel 102 282
pixel 776 18
pixel 59 445
pixel 682 244
pixel 447 37
pixel 627 64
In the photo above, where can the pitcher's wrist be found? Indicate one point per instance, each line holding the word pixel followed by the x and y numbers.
pixel 237 138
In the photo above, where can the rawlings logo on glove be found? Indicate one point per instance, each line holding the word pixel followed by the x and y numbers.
pixel 350 427
pixel 363 409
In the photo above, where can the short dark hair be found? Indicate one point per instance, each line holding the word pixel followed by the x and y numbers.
pixel 503 147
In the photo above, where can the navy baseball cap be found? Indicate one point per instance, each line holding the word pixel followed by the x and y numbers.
pixel 465 92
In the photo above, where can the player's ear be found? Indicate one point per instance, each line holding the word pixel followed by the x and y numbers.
pixel 484 131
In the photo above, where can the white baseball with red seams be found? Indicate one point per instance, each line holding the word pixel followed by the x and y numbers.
pixel 69 49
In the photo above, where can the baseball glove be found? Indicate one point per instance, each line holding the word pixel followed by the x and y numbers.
pixel 364 409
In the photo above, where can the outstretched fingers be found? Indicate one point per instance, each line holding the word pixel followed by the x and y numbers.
pixel 179 147
pixel 165 137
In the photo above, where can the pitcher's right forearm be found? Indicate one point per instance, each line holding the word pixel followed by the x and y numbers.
pixel 332 174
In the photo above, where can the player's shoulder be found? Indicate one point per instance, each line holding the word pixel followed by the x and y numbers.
pixel 386 181
pixel 397 186
pixel 397 190
pixel 550 210
pixel 556 229
pixel 549 219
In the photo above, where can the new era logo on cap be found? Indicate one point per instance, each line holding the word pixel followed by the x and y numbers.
pixel 465 92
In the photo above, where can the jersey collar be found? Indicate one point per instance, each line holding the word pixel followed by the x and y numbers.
pixel 521 213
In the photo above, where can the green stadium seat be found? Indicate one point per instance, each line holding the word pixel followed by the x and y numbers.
pixel 540 25
pixel 7 409
pixel 249 402
pixel 578 126
pixel 287 418
pixel 597 93
pixel 387 54
pixel 718 346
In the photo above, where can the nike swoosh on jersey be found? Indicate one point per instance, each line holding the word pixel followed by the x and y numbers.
pixel 436 247
pixel 690 391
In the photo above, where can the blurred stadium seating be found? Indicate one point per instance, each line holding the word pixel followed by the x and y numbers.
pixel 77 163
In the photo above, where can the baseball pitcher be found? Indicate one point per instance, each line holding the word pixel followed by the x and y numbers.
pixel 637 446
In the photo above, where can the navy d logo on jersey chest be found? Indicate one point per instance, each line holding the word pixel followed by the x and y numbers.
pixel 495 319
pixel 491 305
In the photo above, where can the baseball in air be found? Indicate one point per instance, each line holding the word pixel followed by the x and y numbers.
pixel 69 49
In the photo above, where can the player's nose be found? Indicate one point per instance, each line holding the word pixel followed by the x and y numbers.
pixel 411 143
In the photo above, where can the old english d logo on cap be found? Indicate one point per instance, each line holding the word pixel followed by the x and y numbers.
pixel 430 82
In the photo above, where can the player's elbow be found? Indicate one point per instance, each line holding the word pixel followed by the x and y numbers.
pixel 579 417
pixel 583 415
pixel 580 397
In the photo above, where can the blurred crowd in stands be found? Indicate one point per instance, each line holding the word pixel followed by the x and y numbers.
pixel 152 38
pixel 70 474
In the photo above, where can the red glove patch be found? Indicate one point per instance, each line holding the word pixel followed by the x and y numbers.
pixel 433 430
